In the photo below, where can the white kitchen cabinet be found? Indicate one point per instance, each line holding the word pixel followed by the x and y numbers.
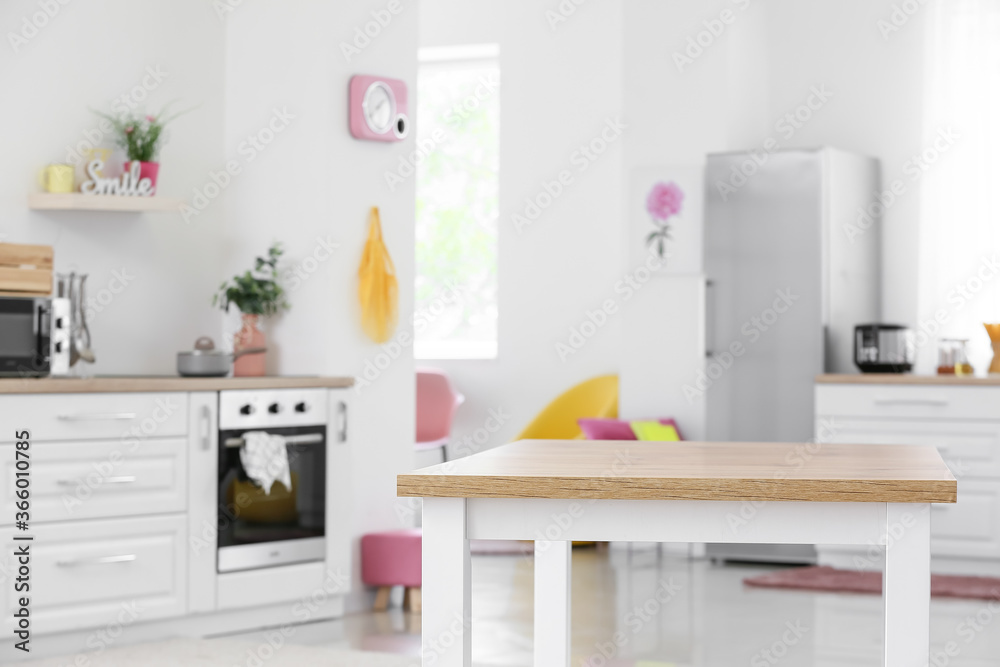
pixel 98 479
pixel 848 632
pixel 203 499
pixel 970 527
pixel 963 422
pixel 125 417
pixel 966 445
pixel 252 588
pixel 904 402
pixel 87 573
pixel 125 509
pixel 339 480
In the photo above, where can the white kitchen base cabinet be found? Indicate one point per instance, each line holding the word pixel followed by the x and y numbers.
pixel 94 571
pixel 125 517
pixel 963 422
pixel 98 479
pixel 133 417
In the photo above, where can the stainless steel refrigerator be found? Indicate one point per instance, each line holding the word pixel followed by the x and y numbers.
pixel 792 265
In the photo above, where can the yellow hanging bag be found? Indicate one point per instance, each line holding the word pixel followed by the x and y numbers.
pixel 377 287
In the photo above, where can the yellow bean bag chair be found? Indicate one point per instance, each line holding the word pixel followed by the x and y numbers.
pixel 593 398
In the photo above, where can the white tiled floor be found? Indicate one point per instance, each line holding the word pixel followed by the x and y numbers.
pixel 712 620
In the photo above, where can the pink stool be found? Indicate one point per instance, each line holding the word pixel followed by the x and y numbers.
pixel 392 559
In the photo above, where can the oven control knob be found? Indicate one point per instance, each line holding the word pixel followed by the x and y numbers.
pixel 246 409
pixel 301 407
pixel 60 324
pixel 274 408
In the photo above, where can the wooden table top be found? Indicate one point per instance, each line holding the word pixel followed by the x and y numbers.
pixel 633 470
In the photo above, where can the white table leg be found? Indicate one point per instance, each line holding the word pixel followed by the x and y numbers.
pixel 552 603
pixel 447 584
pixel 906 587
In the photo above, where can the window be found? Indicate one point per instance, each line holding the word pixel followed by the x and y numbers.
pixel 958 169
pixel 458 140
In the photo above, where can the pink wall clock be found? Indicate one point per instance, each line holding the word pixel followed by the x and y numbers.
pixel 379 108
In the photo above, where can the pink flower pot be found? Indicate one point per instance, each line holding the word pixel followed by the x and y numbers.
pixel 249 365
pixel 148 170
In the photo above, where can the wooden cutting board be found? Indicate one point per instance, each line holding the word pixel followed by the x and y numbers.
pixel 25 270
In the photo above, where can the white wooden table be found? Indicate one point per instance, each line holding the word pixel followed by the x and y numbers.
pixel 554 492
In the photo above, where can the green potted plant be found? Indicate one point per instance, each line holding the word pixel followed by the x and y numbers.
pixel 141 136
pixel 256 293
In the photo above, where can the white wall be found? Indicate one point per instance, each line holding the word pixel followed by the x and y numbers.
pixel 86 56
pixel 620 56
pixel 877 109
pixel 760 66
pixel 315 181
pixel 678 118
pixel 559 88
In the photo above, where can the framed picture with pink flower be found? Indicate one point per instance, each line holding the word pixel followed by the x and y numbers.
pixel 665 226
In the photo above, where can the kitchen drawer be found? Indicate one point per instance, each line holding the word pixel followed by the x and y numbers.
pixel 97 479
pixel 90 574
pixel 970 448
pixel 970 527
pixel 127 417
pixel 848 632
pixel 916 402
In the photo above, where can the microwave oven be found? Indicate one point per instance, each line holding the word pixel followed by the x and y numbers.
pixel 26 327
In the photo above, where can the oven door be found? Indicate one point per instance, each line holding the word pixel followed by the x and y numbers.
pixel 264 529
pixel 24 337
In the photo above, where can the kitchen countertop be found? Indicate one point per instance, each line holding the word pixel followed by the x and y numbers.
pixel 126 384
pixel 907 378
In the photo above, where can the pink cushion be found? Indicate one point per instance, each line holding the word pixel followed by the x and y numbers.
pixel 615 429
pixel 606 429
pixel 391 558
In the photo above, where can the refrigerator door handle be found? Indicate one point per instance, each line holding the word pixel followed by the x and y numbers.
pixel 709 318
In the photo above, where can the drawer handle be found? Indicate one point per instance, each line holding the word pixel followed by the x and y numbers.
pixel 98 416
pixel 342 409
pixel 206 428
pixel 121 479
pixel 124 558
pixel 911 401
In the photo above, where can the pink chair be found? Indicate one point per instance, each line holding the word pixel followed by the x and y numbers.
pixel 392 558
pixel 436 405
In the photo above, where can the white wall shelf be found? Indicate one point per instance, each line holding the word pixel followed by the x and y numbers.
pixel 75 201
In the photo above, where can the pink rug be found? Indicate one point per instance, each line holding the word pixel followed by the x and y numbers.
pixel 828 579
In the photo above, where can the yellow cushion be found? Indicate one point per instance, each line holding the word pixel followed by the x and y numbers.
pixel 654 431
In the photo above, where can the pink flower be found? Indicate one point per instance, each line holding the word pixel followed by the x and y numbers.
pixel 129 129
pixel 664 200
pixel 151 119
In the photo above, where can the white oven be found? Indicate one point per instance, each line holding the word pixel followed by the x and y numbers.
pixel 257 527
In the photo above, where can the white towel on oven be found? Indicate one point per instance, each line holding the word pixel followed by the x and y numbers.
pixel 265 459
